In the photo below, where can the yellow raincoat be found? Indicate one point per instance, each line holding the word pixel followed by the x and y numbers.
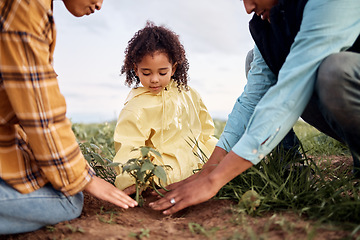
pixel 165 121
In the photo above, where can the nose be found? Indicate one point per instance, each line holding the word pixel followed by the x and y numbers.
pixel 154 79
pixel 98 5
pixel 249 6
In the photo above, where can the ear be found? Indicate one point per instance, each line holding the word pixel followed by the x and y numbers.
pixel 174 66
pixel 135 69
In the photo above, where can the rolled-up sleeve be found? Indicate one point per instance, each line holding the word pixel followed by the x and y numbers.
pixel 260 79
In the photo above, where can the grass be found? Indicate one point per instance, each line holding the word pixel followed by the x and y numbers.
pixel 328 195
pixel 316 143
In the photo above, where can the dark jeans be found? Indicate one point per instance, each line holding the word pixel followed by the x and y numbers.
pixel 334 108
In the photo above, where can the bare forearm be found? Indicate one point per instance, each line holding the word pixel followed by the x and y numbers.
pixel 215 158
pixel 231 166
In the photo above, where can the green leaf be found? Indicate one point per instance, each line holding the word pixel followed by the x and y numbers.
pixel 99 159
pixel 160 173
pixel 94 146
pixel 144 151
pixel 130 167
pixel 113 164
pixel 155 152
pixel 88 157
pixel 107 161
pixel 147 165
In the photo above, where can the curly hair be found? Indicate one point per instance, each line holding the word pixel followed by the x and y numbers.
pixel 149 40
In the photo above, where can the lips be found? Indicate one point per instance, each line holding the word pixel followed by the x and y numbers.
pixel 263 15
pixel 260 13
pixel 155 89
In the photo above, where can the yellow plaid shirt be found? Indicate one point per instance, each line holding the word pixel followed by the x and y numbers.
pixel 37 144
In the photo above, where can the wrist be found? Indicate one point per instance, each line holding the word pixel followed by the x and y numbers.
pixel 216 181
pixel 230 167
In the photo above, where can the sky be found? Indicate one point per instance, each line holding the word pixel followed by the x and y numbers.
pixel 89 52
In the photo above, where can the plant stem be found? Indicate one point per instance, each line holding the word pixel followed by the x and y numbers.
pixel 137 192
pixel 157 191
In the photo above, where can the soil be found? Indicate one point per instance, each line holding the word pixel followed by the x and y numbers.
pixel 214 219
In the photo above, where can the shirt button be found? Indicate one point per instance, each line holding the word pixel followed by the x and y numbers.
pixel 254 151
pixel 261 156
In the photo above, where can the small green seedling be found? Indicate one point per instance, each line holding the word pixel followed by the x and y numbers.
pixel 198 229
pixel 144 171
pixel 75 229
pixel 110 219
pixel 103 167
pixel 140 235
pixel 250 200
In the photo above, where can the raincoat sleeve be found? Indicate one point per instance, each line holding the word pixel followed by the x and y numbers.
pixel 128 135
pixel 207 126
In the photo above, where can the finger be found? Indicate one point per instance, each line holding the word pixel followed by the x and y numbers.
pixel 121 199
pixel 184 202
pixel 127 199
pixel 168 206
pixel 175 208
pixel 164 203
pixel 120 203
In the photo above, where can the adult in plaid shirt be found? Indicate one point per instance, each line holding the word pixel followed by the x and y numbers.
pixel 42 171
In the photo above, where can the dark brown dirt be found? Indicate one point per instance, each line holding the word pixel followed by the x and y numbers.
pixel 214 219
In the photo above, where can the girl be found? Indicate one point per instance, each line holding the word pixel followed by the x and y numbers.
pixel 164 113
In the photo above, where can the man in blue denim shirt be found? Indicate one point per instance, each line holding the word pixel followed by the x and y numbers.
pixel 306 63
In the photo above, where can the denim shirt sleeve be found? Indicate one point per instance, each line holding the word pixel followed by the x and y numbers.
pixel 261 78
pixel 328 26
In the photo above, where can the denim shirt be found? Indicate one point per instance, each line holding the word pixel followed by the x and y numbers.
pixel 269 106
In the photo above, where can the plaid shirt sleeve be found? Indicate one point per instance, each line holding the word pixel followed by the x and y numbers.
pixel 37 144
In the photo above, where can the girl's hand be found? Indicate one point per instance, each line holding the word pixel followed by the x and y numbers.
pixel 106 191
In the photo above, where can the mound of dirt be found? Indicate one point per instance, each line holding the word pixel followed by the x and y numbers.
pixel 214 219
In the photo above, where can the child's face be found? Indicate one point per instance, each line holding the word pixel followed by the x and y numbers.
pixel 80 8
pixel 155 71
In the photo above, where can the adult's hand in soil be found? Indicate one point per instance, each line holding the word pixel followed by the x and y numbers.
pixel 204 186
pixel 176 185
pixel 185 195
pixel 106 191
